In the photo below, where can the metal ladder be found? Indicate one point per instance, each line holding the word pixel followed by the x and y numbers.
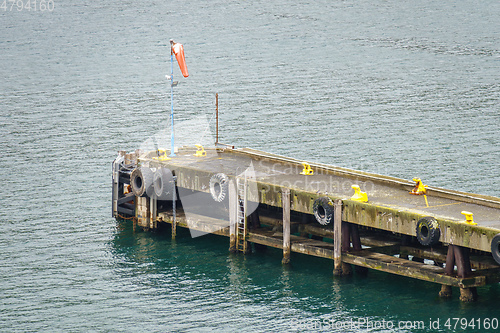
pixel 241 221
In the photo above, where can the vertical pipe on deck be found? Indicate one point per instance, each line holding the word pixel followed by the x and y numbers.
pixel 216 118
pixel 286 225
pixel 337 237
pixel 233 209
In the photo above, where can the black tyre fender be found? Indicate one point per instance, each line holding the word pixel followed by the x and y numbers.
pixel 218 186
pixel 323 210
pixel 141 180
pixel 163 184
pixel 495 248
pixel 428 232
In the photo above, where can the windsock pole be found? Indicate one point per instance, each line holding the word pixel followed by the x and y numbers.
pixel 172 153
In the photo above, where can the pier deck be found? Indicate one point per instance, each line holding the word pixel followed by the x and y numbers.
pixel 390 207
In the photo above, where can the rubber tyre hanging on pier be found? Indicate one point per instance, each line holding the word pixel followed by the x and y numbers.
pixel 141 180
pixel 323 210
pixel 495 248
pixel 428 232
pixel 218 186
pixel 163 184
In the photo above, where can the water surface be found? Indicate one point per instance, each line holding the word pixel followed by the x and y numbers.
pixel 394 87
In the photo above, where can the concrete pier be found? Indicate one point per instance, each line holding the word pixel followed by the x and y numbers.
pixel 352 217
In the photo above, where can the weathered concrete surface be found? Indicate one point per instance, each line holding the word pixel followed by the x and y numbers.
pixel 390 206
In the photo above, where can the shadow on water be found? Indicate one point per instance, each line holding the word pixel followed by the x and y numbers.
pixel 202 273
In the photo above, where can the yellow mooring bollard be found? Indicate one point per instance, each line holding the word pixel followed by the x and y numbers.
pixel 307 169
pixel 358 195
pixel 468 218
pixel 419 188
pixel 162 155
pixel 200 152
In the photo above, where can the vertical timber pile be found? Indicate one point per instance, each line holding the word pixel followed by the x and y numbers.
pixel 142 210
pixel 343 234
pixel 233 209
pixel 459 256
pixel 449 269
pixel 286 226
pixel 337 237
pixel 153 213
pixel 464 270
pixel 174 202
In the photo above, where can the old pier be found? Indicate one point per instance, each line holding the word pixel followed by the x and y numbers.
pixel 354 218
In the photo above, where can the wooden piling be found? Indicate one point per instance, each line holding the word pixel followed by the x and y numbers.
pixel 356 240
pixel 405 241
pixel 233 209
pixel 341 241
pixel 356 246
pixel 337 237
pixel 136 155
pixel 142 212
pixel 459 256
pixel 147 220
pixel 346 246
pixel 174 227
pixel 174 207
pixel 346 237
pixel 286 225
pixel 464 270
pixel 446 290
pixel 129 159
pixel 153 213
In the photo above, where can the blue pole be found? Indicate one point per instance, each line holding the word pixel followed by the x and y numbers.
pixel 172 153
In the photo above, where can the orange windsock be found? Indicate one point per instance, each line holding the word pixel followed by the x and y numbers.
pixel 178 50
